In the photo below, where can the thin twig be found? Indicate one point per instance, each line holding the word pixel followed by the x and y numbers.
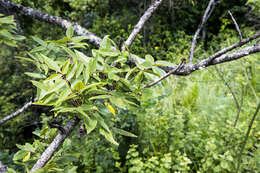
pixel 220 73
pixel 204 19
pixel 236 25
pixel 166 75
pixel 244 90
pixel 16 113
pixel 146 16
pixel 246 137
pixel 241 104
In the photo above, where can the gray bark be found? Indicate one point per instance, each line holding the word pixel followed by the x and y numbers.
pixel 58 140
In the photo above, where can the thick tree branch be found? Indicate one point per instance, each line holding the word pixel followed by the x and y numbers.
pixel 79 30
pixel 189 68
pixel 15 114
pixel 236 25
pixel 205 17
pixel 146 16
pixel 236 45
pixel 58 140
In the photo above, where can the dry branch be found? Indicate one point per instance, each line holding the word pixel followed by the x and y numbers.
pixel 166 75
pixel 236 25
pixel 146 16
pixel 35 14
pixel 205 17
pixel 58 140
pixel 236 45
pixel 15 114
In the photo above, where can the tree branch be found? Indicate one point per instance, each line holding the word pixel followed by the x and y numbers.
pixel 58 140
pixel 236 25
pixel 146 16
pixel 189 68
pixel 205 17
pixel 79 30
pixel 166 75
pixel 15 114
pixel 236 45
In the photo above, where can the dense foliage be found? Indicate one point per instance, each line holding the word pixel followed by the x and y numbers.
pixel 183 124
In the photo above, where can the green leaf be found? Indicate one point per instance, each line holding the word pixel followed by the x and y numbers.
pixel 99 97
pixel 145 65
pixel 73 169
pixel 35 75
pixel 51 64
pixel 106 42
pixel 90 125
pixel 27 157
pixel 164 63
pixel 108 52
pixel 69 51
pixel 64 96
pixel 79 70
pixel 92 65
pixel 124 133
pixel 149 58
pixel 82 57
pixel 85 76
pixel 130 72
pixel 19 155
pixel 73 70
pixel 69 31
pixel 108 136
pixel 38 49
pixel 65 67
pixel 79 38
pixel 40 85
pixel 79 85
pixel 40 41
pixel 138 78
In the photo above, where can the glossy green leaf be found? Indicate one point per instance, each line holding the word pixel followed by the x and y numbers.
pixel 26 157
pixel 108 136
pixel 124 133
pixel 40 85
pixel 79 85
pixel 79 70
pixel 19 155
pixel 72 71
pixel 40 41
pixel 99 97
pixel 108 52
pixel 79 38
pixel 35 75
pixel 65 67
pixel 51 64
pixel 106 42
pixel 90 125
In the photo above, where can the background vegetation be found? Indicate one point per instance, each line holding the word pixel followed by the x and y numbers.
pixel 187 126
